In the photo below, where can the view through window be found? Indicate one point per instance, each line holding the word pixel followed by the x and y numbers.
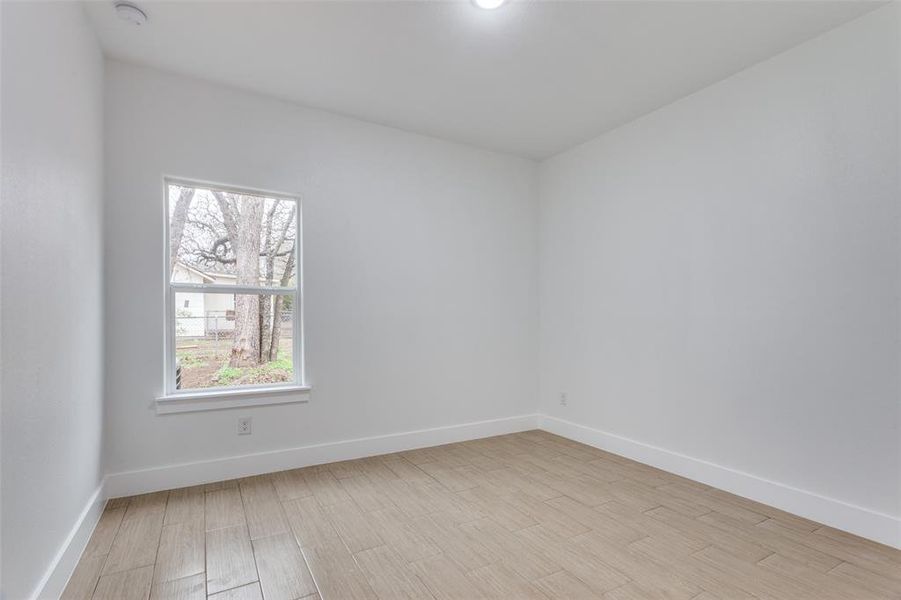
pixel 233 294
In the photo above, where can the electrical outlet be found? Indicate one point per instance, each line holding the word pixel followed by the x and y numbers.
pixel 244 425
pixel 563 399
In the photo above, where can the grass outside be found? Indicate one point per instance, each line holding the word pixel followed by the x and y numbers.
pixel 204 364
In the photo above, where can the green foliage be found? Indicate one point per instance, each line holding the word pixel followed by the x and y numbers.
pixel 191 360
pixel 283 363
pixel 204 364
pixel 228 375
pixel 271 372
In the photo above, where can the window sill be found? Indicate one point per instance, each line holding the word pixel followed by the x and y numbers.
pixel 223 399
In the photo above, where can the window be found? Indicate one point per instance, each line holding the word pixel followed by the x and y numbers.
pixel 233 297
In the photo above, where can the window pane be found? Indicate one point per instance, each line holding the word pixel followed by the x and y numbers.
pixel 231 238
pixel 233 340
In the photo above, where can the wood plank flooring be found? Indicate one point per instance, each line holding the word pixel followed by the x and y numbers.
pixel 527 515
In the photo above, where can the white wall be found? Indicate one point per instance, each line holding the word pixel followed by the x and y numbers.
pixel 51 290
pixel 720 278
pixel 420 264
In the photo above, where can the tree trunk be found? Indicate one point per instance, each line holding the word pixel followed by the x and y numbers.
pixel 265 327
pixel 177 225
pixel 246 347
pixel 276 328
pixel 274 241
pixel 266 300
pixel 277 309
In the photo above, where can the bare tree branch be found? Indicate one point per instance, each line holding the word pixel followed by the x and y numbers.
pixel 228 214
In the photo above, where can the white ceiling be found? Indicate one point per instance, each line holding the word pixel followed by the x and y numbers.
pixel 532 78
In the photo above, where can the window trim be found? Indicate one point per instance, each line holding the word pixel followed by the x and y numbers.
pixel 173 400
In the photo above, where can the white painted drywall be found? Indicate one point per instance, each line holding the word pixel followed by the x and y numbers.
pixel 420 264
pixel 532 79
pixel 721 277
pixel 52 299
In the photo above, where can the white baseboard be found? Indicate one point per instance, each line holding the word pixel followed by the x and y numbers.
pixel 854 519
pixel 60 569
pixel 208 471
pixel 876 526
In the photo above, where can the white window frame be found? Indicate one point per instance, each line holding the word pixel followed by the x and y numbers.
pixel 174 400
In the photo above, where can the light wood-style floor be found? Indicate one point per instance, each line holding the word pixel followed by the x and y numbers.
pixel 528 515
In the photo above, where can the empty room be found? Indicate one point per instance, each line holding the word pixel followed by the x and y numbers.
pixel 450 300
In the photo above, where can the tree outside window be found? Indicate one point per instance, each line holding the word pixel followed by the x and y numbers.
pixel 221 239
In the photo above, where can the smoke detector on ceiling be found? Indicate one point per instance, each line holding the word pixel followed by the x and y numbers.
pixel 131 13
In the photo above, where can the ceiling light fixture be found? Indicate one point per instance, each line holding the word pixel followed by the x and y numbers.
pixel 131 13
pixel 489 4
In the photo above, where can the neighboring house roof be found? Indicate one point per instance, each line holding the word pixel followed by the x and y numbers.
pixel 200 274
pixel 211 276
pixel 219 275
